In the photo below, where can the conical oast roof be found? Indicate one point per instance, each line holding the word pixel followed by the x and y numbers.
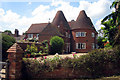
pixel 83 21
pixel 60 20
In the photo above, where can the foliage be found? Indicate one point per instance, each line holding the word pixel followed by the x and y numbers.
pixel 56 45
pixel 7 41
pixel 8 31
pixel 111 23
pixel 95 63
pixel 100 42
pixel 31 49
pixel 44 47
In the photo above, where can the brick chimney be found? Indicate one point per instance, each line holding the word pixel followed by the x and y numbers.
pixel 16 33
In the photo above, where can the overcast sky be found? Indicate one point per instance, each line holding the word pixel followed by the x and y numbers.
pixel 20 15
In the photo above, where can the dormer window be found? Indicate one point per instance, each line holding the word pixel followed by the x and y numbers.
pixel 80 34
pixel 30 35
pixel 37 35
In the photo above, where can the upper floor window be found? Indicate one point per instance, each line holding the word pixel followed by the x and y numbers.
pixel 80 34
pixel 30 35
pixel 93 34
pixel 80 45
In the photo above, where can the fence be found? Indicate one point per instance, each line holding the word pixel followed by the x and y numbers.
pixel 4 72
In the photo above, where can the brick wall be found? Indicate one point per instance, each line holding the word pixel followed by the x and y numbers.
pixel 88 40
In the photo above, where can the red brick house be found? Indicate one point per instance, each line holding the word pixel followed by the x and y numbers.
pixel 79 35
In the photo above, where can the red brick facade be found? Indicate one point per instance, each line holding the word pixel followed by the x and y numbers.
pixel 68 31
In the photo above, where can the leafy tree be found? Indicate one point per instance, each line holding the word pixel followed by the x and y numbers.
pixel 101 41
pixel 56 45
pixel 111 23
pixel 8 31
pixel 7 42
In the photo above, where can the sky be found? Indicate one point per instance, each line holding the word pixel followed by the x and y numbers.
pixel 20 14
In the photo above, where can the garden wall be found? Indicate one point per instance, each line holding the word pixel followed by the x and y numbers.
pixel 96 64
pixel 65 73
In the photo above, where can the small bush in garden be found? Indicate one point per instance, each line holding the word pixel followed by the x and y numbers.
pixel 44 48
pixel 56 45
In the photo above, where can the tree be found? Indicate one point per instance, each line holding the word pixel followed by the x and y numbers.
pixel 111 23
pixel 7 41
pixel 101 41
pixel 56 45
pixel 8 31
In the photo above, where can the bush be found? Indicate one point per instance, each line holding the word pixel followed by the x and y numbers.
pixel 98 63
pixel 56 45
pixel 31 49
pixel 7 42
pixel 44 47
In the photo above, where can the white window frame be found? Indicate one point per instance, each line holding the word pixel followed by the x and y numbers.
pixel 93 34
pixel 82 45
pixel 67 34
pixel 93 45
pixel 30 35
pixel 37 35
pixel 80 34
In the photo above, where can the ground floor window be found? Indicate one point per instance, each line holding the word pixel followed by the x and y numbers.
pixel 80 45
pixel 93 45
pixel 67 47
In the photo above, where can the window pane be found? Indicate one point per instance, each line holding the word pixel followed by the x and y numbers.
pixel 79 46
pixel 76 34
pixel 93 34
pixel 76 45
pixel 93 46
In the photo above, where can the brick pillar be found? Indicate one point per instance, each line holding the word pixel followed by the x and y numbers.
pixel 15 62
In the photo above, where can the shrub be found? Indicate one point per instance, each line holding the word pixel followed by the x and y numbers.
pixel 44 47
pixel 31 49
pixel 56 45
pixel 96 63
pixel 7 42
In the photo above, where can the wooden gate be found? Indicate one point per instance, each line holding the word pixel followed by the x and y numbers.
pixel 4 70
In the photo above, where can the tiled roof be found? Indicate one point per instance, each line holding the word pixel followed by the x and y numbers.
pixel 50 30
pixel 82 21
pixel 37 28
pixel 15 48
pixel 60 20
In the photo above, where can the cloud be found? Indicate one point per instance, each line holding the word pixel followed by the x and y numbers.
pixel 29 3
pixel 96 10
pixel 1 12
pixel 98 25
pixel 41 14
